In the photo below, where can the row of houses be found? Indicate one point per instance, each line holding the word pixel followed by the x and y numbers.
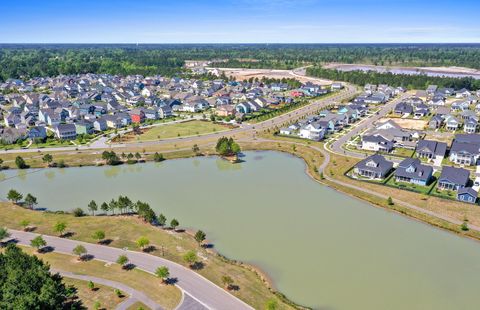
pixel 411 170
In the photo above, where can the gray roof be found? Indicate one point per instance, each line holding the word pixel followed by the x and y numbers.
pixel 467 190
pixel 420 172
pixel 430 146
pixel 458 176
pixel 375 163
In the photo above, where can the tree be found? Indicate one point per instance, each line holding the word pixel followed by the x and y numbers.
pixel 163 273
pixel 143 242
pixel 122 260
pixel 161 219
pixel 30 200
pixel 14 196
pixel 47 159
pixel 92 206
pixel 190 257
pixel 91 285
pixel 60 227
pixel 390 201
pixel 200 236
pixel 464 226
pixel 26 283
pixel 38 243
pixel 227 147
pixel 158 157
pixel 1 163
pixel 24 224
pixel 104 207
pixel 137 156
pixel 80 251
pixel 3 234
pixel 174 224
pixel 227 281
pixel 99 235
pixel 20 163
pixel 112 205
pixel 196 149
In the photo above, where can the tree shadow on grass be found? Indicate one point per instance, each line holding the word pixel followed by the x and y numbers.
pixel 150 249
pixel 68 234
pixel 198 266
pixel 171 281
pixel 105 241
pixel 46 249
pixel 129 266
pixel 87 257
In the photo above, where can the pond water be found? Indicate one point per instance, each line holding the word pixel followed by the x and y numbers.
pixel 320 247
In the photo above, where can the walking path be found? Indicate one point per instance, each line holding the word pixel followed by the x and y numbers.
pixel 135 295
pixel 202 291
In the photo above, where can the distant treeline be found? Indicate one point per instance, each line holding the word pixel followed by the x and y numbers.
pixel 26 61
pixel 404 80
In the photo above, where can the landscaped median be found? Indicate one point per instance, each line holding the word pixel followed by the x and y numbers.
pixel 125 231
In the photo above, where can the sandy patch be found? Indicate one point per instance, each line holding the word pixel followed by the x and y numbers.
pixel 415 124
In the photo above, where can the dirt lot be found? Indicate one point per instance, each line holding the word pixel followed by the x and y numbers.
pixel 241 74
pixel 416 124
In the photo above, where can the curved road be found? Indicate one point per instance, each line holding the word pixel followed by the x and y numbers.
pixel 134 294
pixel 200 289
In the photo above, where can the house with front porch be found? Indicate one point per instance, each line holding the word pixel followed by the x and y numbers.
pixel 453 178
pixel 430 149
pixel 411 170
pixel 373 167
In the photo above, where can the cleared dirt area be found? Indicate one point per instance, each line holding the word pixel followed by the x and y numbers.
pixel 415 124
pixel 241 74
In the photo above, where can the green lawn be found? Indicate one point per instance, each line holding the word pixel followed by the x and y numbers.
pixel 104 295
pixel 409 186
pixel 191 128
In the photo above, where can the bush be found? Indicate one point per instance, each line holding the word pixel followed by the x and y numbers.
pixel 78 212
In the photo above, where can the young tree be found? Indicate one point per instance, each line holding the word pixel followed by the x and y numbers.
pixel 390 201
pixel 112 205
pixel 20 163
pixel 91 285
pixel 227 282
pixel 143 242
pixel 190 257
pixel 60 227
pixel 14 196
pixel 99 235
pixel 200 236
pixel 24 224
pixel 92 206
pixel 163 273
pixel 196 149
pixel 122 260
pixel 38 243
pixel 271 304
pixel 47 159
pixel 174 224
pixel 30 200
pixel 3 234
pixel 161 219
pixel 80 251
pixel 137 156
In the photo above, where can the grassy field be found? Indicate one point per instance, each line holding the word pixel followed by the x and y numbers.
pixel 104 295
pixel 185 129
pixel 125 230
pixel 168 296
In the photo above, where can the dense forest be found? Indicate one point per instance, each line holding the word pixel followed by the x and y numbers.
pixel 25 61
pixel 407 81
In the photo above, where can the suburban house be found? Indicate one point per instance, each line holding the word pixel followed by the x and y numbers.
pixel 313 131
pixel 452 123
pixel 373 167
pixel 467 194
pixel 435 122
pixel 470 125
pixel 403 108
pixel 465 149
pixel 431 149
pixel 66 132
pixel 453 178
pixel 410 170
pixel 376 143
pixel 84 127
pixel 37 132
pixel 137 115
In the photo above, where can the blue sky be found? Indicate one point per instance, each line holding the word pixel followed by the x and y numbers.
pixel 239 21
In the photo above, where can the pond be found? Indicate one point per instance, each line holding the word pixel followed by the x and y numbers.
pixel 320 247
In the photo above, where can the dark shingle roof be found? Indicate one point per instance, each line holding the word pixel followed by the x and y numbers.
pixel 454 175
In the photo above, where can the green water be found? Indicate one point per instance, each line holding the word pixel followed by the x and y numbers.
pixel 320 247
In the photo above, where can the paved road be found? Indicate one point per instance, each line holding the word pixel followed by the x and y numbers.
pixel 337 145
pixel 194 285
pixel 134 294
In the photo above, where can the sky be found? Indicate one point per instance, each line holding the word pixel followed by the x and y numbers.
pixel 239 21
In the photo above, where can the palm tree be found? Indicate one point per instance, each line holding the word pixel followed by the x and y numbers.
pixel 163 273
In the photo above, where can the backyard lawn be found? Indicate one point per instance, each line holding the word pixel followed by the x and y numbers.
pixel 191 128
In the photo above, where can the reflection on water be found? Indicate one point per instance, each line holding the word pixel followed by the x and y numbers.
pixel 196 162
pixel 3 176
pixel 112 171
pixel 50 174
pixel 225 165
pixel 22 174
